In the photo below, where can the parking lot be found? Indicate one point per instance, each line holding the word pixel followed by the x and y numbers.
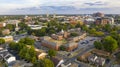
pixel 88 41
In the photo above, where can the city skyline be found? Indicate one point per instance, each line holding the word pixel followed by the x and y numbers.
pixel 59 7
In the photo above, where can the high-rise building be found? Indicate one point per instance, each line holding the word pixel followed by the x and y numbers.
pixel 98 14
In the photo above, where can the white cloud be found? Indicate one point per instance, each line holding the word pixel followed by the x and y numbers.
pixel 8 5
pixel 75 3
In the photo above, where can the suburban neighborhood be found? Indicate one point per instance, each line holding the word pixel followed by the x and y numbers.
pixel 60 40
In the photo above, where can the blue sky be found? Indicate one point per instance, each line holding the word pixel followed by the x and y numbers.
pixel 59 6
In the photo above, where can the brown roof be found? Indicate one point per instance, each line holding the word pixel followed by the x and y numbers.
pixel 74 65
pixel 100 52
pixel 56 60
pixel 84 56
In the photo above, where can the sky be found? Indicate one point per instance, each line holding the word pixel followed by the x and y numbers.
pixel 59 6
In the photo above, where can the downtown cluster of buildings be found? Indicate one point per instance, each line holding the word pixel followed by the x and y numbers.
pixel 96 18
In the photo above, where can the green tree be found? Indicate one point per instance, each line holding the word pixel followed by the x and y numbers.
pixel 23 26
pixel 107 27
pixel 92 31
pixel 48 63
pixel 12 45
pixel 19 46
pixel 44 63
pixel 23 52
pixel 59 28
pixel 99 33
pixel 32 52
pixel 74 34
pixel 98 45
pixel 62 48
pixel 10 26
pixel 52 32
pixel 2 41
pixel 36 23
pixel 27 41
pixel 110 44
pixel 72 26
pixel 34 60
pixel 84 28
pixel 114 34
pixel 118 40
pixel 27 56
pixel 1 33
pixel 40 32
pixel 6 65
pixel 78 25
pixel 39 63
pixel 52 52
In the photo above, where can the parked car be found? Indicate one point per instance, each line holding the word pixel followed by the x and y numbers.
pixel 92 39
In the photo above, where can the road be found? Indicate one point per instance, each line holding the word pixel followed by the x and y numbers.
pixel 37 45
pixel 69 60
pixel 82 64
pixel 110 63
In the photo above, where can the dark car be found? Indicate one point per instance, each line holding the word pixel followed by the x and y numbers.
pixel 92 39
pixel 83 43
pixel 79 65
pixel 86 42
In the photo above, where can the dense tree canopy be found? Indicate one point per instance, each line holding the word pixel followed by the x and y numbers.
pixel 27 41
pixel 98 45
pixel 28 54
pixel 110 44
pixel 44 63
pixel 62 48
pixel 10 26
pixel 74 34
pixel 2 41
pixel 52 52
pixel 23 26
pixel 107 27
pixel 48 63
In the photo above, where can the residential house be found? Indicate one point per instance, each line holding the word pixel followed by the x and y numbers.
pixel 92 58
pixel 74 65
pixel 99 61
pixel 57 61
pixel 6 32
pixel 100 52
pixel 7 38
pixel 5 55
pixel 2 24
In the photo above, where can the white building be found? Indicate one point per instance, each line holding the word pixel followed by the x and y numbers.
pixel 9 58
pixel 4 54
pixel 36 27
pixel 7 38
pixel 12 21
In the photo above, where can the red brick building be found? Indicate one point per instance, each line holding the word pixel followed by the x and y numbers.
pixel 71 46
pixel 102 21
